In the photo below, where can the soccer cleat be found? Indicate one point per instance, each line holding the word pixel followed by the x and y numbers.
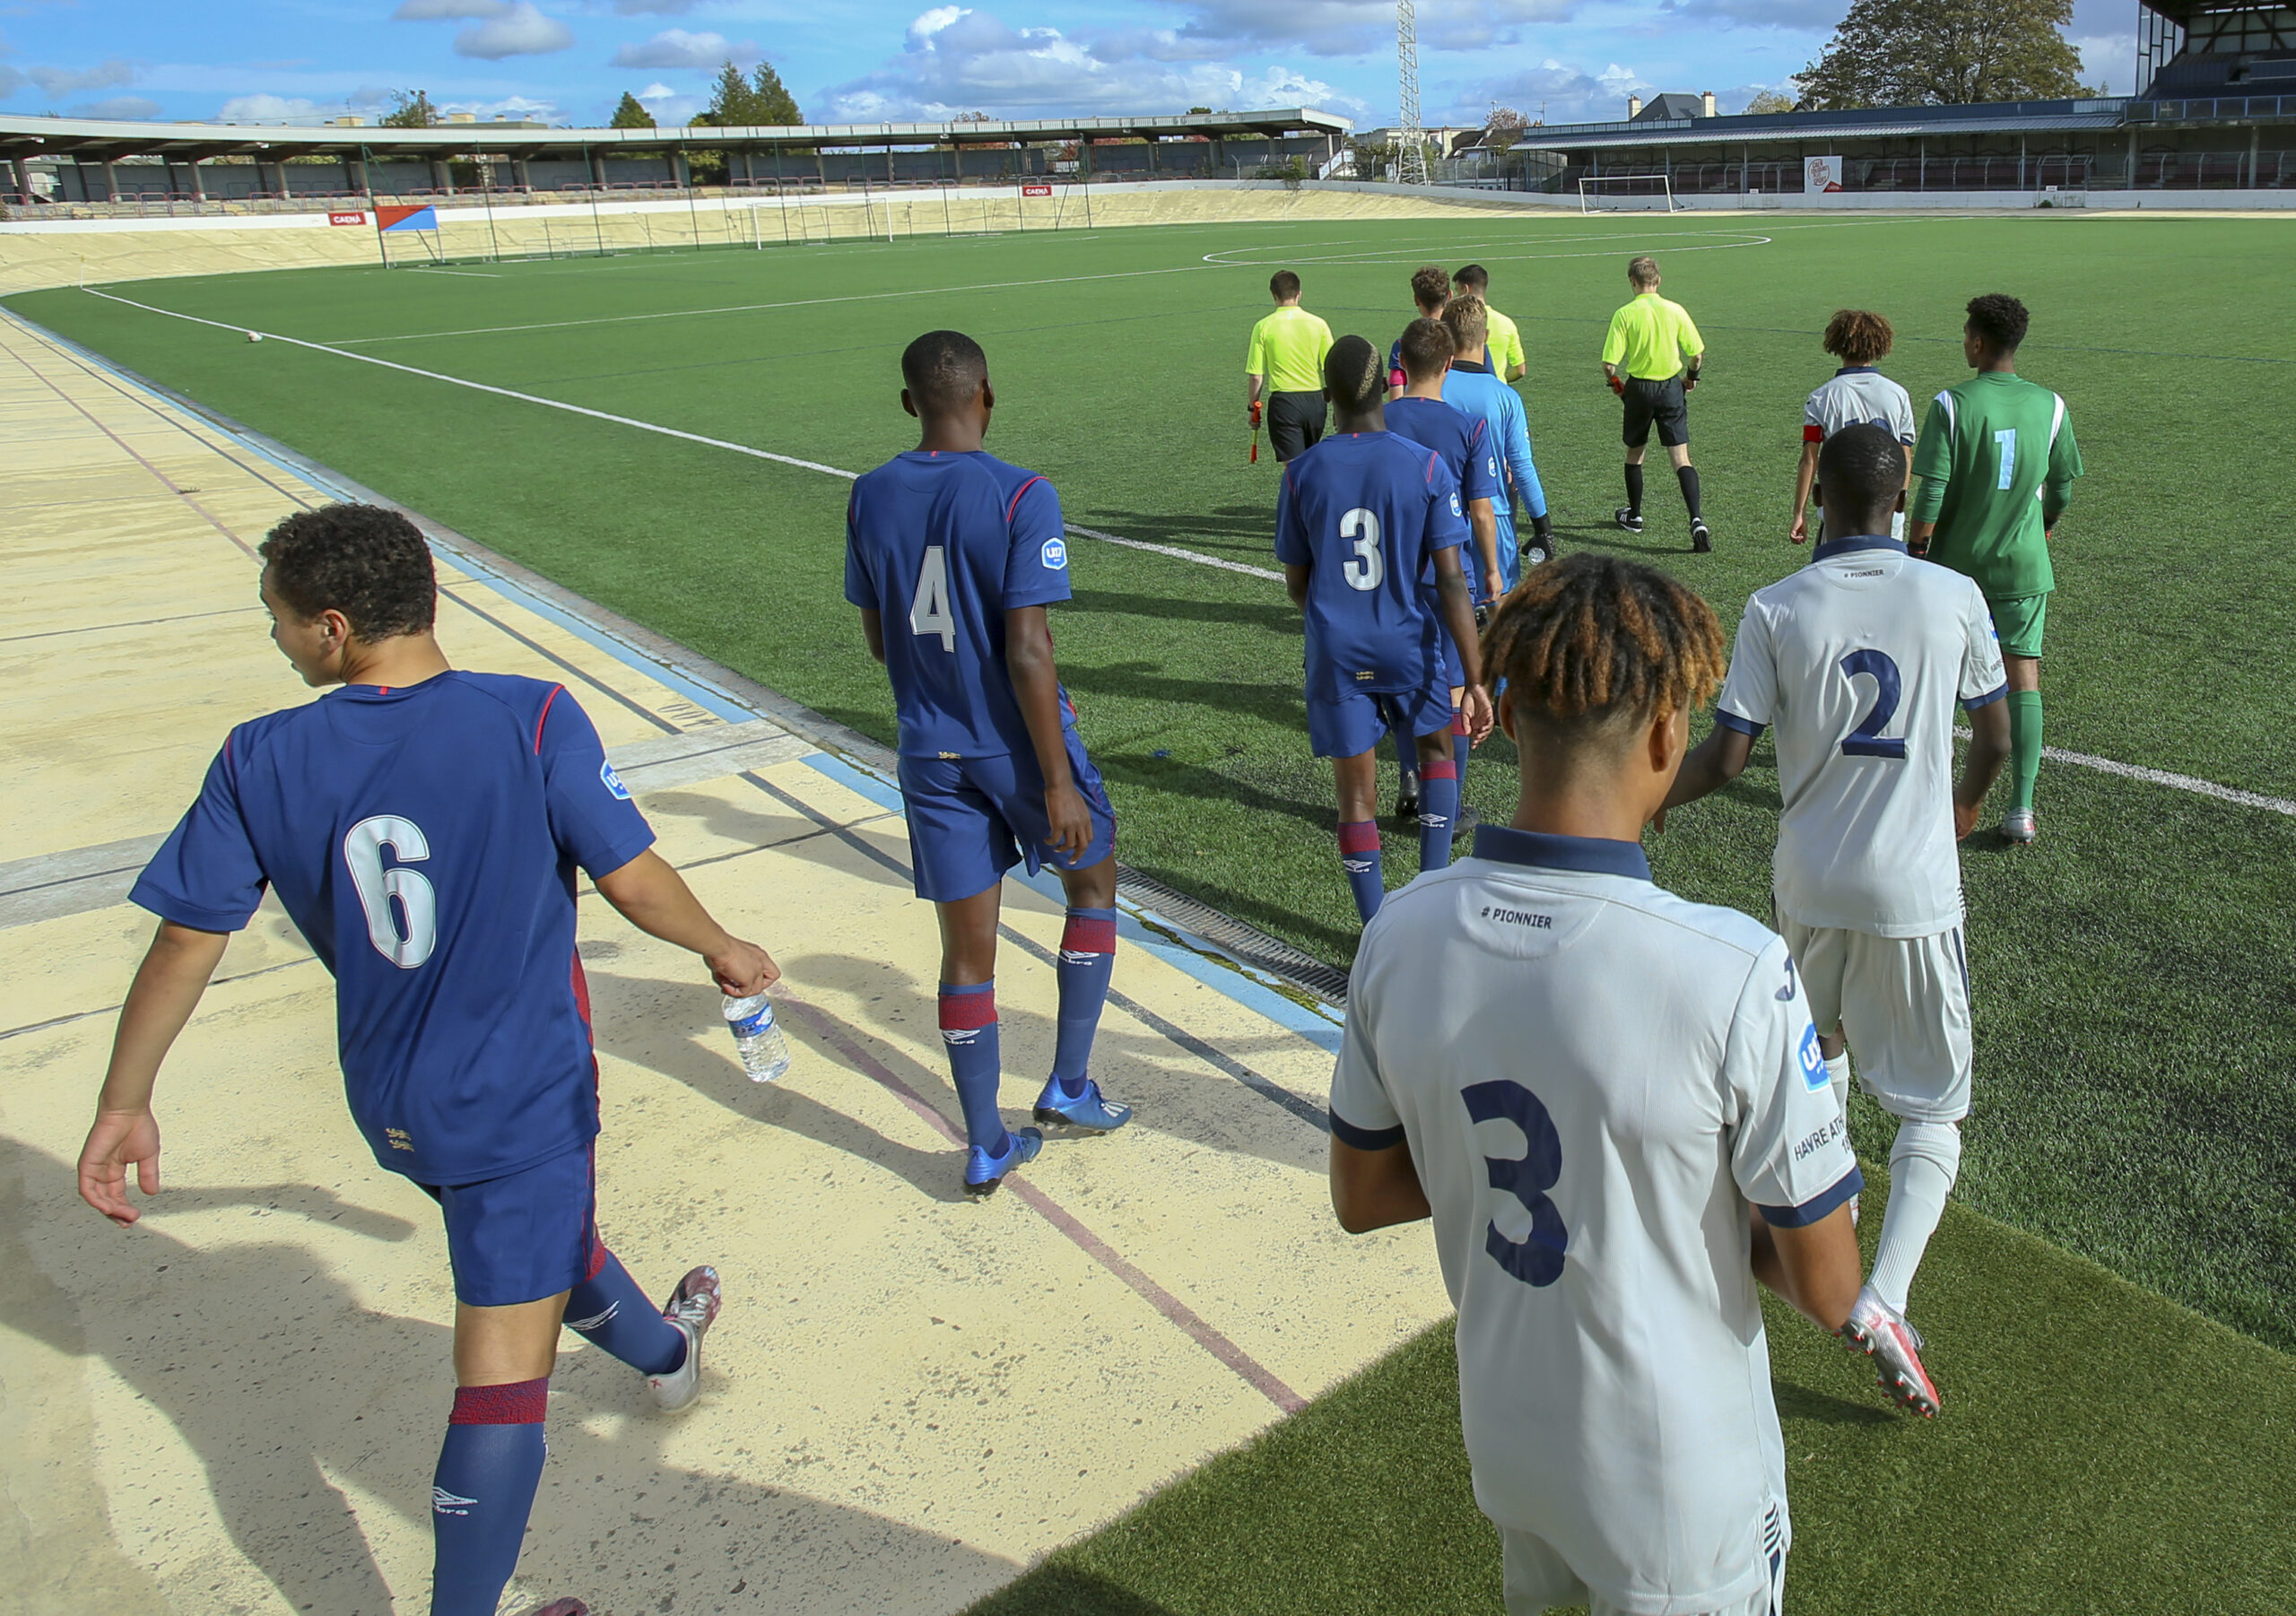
pixel 1701 539
pixel 2019 825
pixel 1090 1110
pixel 1880 1333
pixel 984 1172
pixel 1631 520
pixel 693 1307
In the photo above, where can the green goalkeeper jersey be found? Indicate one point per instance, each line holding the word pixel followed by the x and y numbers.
pixel 1996 461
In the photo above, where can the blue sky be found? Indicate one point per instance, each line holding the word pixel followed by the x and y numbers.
pixel 868 60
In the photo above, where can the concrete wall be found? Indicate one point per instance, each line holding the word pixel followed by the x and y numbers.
pixel 1961 201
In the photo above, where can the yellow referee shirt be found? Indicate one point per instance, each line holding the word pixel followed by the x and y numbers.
pixel 1288 348
pixel 1650 338
pixel 1505 342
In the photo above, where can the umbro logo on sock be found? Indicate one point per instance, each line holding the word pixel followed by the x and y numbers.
pixel 1354 866
pixel 596 1323
pixel 953 1036
pixel 447 1503
pixel 1070 956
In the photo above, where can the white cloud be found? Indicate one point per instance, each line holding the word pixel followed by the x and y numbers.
pixel 276 108
pixel 670 106
pixel 675 47
pixel 128 108
pixel 521 106
pixel 960 60
pixel 520 31
pixel 655 8
pixel 449 11
pixel 104 75
pixel 1557 92
pixel 2110 60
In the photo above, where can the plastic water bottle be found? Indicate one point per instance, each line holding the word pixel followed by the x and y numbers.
pixel 764 1052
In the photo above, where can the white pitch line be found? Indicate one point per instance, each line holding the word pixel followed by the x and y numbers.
pixel 648 426
pixel 2157 777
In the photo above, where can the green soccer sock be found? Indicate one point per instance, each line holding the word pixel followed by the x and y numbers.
pixel 2024 746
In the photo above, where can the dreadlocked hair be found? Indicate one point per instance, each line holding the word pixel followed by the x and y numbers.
pixel 1859 336
pixel 1590 641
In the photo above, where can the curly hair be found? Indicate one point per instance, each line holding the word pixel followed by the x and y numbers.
pixel 1468 320
pixel 1859 336
pixel 1431 288
pixel 2000 320
pixel 1355 374
pixel 369 563
pixel 1589 641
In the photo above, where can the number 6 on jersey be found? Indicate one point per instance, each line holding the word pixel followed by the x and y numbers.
pixel 928 607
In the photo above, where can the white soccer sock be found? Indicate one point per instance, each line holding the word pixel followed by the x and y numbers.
pixel 1838 1073
pixel 1925 1160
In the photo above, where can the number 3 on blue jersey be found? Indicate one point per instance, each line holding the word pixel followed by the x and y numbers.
pixel 1537 1260
pixel 928 608
pixel 1367 568
pixel 1866 741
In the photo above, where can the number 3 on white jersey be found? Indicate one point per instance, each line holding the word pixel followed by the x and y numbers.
pixel 928 608
pixel 362 853
pixel 1367 569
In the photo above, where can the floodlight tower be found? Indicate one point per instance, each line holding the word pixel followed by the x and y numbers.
pixel 1411 153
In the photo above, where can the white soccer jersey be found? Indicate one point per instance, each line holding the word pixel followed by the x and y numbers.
pixel 1596 1077
pixel 1853 395
pixel 1855 660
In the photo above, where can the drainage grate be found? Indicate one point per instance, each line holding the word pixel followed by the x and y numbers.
pixel 1246 943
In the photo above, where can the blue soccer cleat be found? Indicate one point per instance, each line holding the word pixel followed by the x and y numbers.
pixel 1087 1111
pixel 984 1172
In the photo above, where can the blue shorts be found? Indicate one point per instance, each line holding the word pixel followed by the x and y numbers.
pixel 1354 723
pixel 522 1237
pixel 1451 670
pixel 972 819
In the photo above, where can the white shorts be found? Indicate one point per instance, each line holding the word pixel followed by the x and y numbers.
pixel 1903 1002
pixel 1537 1578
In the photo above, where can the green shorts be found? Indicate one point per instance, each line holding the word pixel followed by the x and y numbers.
pixel 2018 622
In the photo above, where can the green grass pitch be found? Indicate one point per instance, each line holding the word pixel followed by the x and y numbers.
pixel 2130 1158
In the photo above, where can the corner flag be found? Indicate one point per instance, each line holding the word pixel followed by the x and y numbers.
pixel 400 217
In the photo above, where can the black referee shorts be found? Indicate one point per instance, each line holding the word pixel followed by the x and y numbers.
pixel 1660 403
pixel 1295 422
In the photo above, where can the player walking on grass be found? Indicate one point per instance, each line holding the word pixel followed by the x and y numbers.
pixel 1283 368
pixel 1504 355
pixel 422 828
pixel 1651 358
pixel 959 554
pixel 1359 519
pixel 1858 392
pixel 1996 461
pixel 1626 1125
pixel 1470 386
pixel 1856 659
pixel 1430 289
pixel 1422 416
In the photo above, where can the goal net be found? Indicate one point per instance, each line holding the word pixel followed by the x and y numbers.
pixel 1608 193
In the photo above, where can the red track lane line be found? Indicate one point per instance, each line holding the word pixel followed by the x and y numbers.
pixel 1179 1313
pixel 123 443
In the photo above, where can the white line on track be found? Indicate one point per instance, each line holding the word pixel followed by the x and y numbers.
pixel 2156 777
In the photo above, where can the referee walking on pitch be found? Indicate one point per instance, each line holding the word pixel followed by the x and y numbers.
pixel 1285 363
pixel 1651 359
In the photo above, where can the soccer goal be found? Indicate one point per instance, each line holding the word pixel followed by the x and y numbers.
pixel 1613 193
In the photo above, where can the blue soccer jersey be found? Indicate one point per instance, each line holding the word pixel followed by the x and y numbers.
pixel 942 546
pixel 424 840
pixel 1364 514
pixel 1465 443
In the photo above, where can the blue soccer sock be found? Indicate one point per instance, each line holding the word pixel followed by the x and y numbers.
pixel 482 1493
pixel 1359 855
pixel 1087 962
pixel 609 1311
pixel 969 1029
pixel 1439 812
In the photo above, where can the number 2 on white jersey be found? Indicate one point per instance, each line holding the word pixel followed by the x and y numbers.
pixel 928 608
pixel 1367 569
pixel 1866 741
pixel 362 854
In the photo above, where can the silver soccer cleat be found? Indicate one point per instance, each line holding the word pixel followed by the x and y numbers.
pixel 1881 1331
pixel 693 1307
pixel 2019 825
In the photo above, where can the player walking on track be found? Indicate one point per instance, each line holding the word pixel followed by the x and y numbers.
pixel 1858 392
pixel 1284 367
pixel 1359 519
pixel 423 827
pixel 957 554
pixel 1856 660
pixel 1625 1127
pixel 1651 358
pixel 1996 461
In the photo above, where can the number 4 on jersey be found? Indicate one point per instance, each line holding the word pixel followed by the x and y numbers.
pixel 928 607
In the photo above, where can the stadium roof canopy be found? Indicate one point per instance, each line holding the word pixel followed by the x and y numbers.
pixel 1996 117
pixel 95 140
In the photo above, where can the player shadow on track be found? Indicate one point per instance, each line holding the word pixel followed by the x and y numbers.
pixel 1235 532
pixel 301 1379
pixel 768 827
pixel 1617 541
pixel 1273 613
